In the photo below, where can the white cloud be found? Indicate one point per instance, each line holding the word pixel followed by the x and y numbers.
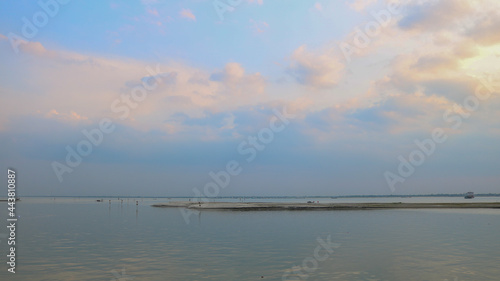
pixel 319 70
pixel 86 86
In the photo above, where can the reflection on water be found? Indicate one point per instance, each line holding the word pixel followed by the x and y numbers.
pixel 81 239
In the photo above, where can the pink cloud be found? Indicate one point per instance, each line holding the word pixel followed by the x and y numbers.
pixel 149 2
pixel 259 26
pixel 186 13
pixel 234 79
pixel 35 48
pixel 260 2
pixel 318 6
pixel 152 11
pixel 360 5
pixel 71 116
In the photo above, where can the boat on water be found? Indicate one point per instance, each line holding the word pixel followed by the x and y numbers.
pixel 469 195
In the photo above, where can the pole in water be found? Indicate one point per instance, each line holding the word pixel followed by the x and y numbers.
pixel 136 203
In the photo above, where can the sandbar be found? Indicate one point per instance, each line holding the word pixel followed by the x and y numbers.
pixel 264 206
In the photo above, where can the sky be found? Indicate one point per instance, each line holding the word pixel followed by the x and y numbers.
pixel 250 97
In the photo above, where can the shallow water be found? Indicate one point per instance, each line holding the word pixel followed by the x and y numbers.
pixel 81 239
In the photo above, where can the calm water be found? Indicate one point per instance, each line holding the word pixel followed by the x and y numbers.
pixel 80 239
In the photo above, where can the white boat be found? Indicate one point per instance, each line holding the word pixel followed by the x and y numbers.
pixel 469 195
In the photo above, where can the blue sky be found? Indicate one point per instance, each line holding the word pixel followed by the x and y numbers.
pixel 184 89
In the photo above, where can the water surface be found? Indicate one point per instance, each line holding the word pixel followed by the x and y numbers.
pixel 81 239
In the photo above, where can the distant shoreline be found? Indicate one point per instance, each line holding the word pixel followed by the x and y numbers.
pixel 275 197
pixel 263 206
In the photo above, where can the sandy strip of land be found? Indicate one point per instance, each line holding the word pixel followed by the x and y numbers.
pixel 261 206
